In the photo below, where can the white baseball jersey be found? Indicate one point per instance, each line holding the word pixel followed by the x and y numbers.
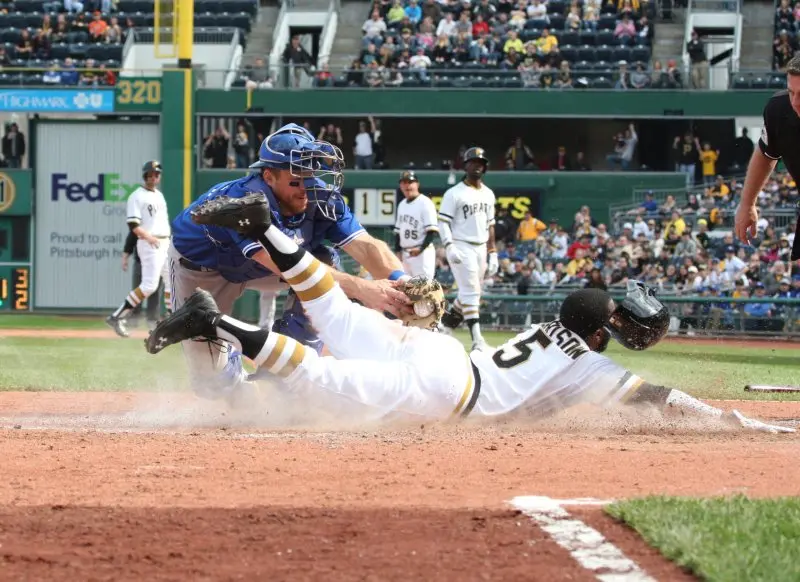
pixel 546 369
pixel 148 209
pixel 414 220
pixel 469 212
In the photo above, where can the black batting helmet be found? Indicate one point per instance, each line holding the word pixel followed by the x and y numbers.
pixel 476 153
pixel 641 320
pixel 409 176
pixel 638 322
pixel 151 167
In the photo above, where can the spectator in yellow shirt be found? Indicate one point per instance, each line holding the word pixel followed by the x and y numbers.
pixel 578 264
pixel 546 42
pixel 513 42
pixel 708 158
pixel 530 228
pixel 677 222
pixel 719 189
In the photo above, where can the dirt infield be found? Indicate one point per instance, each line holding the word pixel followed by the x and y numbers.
pixel 136 486
pixel 102 486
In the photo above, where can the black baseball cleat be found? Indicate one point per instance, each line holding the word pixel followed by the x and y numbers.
pixel 196 318
pixel 244 215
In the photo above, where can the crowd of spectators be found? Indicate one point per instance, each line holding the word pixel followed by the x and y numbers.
pixel 75 47
pixel 785 44
pixel 682 249
pixel 556 43
pixel 80 42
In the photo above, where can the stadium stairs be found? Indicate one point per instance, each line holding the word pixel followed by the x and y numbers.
pixel 668 40
pixel 347 44
pixel 757 36
pixel 259 41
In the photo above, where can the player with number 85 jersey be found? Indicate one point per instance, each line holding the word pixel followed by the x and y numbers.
pixel 415 228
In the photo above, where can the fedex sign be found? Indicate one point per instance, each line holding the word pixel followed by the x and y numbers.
pixel 107 188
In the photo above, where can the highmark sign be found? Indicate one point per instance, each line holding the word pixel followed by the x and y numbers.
pixel 57 100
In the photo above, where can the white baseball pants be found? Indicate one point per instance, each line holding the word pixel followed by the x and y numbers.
pixel 469 276
pixel 379 366
pixel 423 264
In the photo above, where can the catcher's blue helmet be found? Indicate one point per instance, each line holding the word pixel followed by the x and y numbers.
pixel 319 163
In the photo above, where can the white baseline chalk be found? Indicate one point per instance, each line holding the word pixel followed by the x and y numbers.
pixel 586 545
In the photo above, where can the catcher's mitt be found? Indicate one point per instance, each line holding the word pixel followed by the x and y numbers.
pixel 428 302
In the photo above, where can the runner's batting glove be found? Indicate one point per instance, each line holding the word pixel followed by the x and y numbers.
pixel 493 265
pixel 453 254
pixel 757 425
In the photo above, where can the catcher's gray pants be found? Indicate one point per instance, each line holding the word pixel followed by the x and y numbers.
pixel 266 309
pixel 206 360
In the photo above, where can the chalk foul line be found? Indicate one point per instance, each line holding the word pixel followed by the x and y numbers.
pixel 586 545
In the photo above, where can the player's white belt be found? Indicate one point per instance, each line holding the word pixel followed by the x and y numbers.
pixel 475 244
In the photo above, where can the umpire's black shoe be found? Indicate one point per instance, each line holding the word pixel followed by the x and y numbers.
pixel 197 318
pixel 246 215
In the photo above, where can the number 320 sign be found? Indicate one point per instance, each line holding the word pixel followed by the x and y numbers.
pixel 138 94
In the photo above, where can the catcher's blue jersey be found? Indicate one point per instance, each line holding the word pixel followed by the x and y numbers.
pixel 229 252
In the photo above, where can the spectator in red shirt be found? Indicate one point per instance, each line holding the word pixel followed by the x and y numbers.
pixel 584 242
pixel 479 27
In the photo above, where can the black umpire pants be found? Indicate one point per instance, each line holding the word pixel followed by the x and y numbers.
pixel 154 301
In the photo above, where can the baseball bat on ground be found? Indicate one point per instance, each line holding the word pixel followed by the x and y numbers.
pixel 767 388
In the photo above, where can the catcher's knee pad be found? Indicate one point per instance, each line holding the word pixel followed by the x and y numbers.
pixel 452 318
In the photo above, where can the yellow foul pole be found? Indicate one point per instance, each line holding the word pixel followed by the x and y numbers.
pixel 185 32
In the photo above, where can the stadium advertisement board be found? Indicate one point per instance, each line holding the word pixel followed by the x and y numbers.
pixel 84 175
pixel 57 100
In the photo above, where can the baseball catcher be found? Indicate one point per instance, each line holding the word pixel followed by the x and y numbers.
pixel 387 367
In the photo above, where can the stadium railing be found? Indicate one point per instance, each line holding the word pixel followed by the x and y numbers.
pixel 691 316
pixel 696 316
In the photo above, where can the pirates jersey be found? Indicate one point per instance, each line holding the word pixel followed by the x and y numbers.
pixel 546 369
pixel 469 212
pixel 414 220
pixel 148 209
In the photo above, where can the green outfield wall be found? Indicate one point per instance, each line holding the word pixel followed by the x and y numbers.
pixel 491 103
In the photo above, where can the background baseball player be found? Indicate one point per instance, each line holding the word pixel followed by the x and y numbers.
pixel 385 367
pixel 153 311
pixel 149 221
pixel 415 228
pixel 466 227
pixel 302 178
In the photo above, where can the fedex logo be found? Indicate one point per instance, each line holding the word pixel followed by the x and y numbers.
pixel 108 188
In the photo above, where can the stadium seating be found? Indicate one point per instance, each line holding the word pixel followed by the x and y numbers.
pixel 593 50
pixel 785 45
pixel 212 18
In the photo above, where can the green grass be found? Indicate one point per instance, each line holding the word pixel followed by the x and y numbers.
pixel 732 539
pixel 87 364
pixel 118 364
pixel 36 321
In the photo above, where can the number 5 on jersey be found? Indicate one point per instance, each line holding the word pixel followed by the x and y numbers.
pixel 512 355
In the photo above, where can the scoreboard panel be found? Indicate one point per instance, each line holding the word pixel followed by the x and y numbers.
pixel 15 239
pixel 15 288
